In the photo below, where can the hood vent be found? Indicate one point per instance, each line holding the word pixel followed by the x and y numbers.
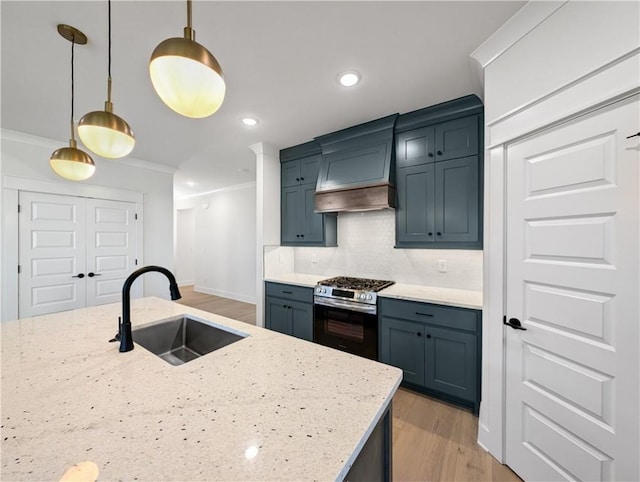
pixel 357 171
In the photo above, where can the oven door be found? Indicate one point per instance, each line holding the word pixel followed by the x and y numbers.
pixel 355 332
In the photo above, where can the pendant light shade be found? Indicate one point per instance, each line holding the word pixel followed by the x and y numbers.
pixel 70 162
pixel 106 134
pixel 103 132
pixel 186 76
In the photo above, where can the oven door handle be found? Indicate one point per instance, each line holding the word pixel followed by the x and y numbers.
pixel 346 305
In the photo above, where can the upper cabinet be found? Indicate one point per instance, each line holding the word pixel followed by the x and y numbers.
pixel 300 224
pixel 439 176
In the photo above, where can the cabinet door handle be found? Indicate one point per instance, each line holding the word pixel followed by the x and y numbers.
pixel 302 178
pixel 287 292
pixel 80 275
pixel 424 314
pixel 428 336
pixel 439 233
pixel 302 235
pixel 297 178
pixel 419 334
pixel 297 235
pixel 633 135
pixel 429 233
pixel 91 275
pixel 430 154
pixel 439 153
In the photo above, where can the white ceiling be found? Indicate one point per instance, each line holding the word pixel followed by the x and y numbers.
pixel 280 60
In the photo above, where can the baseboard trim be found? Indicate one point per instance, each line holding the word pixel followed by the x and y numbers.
pixel 186 283
pixel 225 294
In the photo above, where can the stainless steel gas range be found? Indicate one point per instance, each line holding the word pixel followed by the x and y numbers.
pixel 346 314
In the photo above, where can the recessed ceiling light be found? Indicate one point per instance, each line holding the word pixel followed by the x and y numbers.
pixel 349 79
pixel 249 121
pixel 191 183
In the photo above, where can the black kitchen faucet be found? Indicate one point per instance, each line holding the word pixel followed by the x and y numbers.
pixel 124 325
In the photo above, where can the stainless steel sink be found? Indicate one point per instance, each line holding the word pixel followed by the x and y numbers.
pixel 183 338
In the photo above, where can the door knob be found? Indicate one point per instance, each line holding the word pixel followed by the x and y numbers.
pixel 514 323
pixel 81 275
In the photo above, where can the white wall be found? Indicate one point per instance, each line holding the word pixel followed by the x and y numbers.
pixel 185 247
pixel 366 249
pixel 225 242
pixel 25 156
pixel 577 39
pixel 268 213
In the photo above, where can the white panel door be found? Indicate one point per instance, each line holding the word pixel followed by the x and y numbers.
pixel 52 254
pixel 111 249
pixel 572 280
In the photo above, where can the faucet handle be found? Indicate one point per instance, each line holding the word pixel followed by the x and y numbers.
pixel 117 335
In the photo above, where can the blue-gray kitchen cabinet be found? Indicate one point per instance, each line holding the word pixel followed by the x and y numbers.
pixel 289 310
pixel 402 346
pixel 300 224
pixel 438 156
pixel 437 347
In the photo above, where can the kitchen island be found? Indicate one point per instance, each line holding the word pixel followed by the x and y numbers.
pixel 268 407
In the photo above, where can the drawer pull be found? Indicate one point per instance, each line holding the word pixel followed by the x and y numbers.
pixel 424 314
pixel 287 292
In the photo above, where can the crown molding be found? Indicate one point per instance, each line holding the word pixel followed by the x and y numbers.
pixel 24 138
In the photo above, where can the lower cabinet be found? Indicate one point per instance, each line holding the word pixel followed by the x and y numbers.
pixel 437 347
pixel 289 310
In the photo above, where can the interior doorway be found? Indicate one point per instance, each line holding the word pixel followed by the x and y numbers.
pixel 73 251
pixel 572 296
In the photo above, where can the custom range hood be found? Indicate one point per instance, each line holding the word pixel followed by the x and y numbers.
pixel 356 170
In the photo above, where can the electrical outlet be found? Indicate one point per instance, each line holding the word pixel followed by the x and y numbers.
pixel 442 265
pixel 314 258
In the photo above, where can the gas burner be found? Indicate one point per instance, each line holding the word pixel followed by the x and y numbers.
pixel 360 284
pixel 354 290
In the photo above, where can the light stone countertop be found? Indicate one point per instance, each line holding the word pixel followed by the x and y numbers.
pixel 426 294
pixel 299 279
pixel 69 396
pixel 433 294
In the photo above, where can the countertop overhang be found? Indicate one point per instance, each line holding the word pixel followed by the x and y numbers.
pixel 269 407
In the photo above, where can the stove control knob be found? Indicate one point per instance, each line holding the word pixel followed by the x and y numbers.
pixel 369 297
pixel 363 296
pixel 324 290
pixel 317 290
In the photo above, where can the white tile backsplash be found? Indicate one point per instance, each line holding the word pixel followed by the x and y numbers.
pixel 366 249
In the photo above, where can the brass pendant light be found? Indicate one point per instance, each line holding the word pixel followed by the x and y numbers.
pixel 71 162
pixel 186 76
pixel 103 132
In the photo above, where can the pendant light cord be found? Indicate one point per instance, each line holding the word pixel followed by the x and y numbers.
pixel 73 44
pixel 109 63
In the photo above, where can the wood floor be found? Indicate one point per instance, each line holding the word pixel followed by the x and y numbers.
pixel 220 306
pixel 432 440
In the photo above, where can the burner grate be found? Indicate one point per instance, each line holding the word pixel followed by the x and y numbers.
pixel 364 284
